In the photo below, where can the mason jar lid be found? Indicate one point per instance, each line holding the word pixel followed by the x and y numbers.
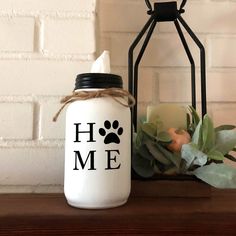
pixel 98 80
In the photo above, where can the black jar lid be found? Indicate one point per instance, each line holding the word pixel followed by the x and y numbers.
pixel 98 80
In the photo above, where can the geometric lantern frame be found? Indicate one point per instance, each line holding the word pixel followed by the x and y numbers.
pixel 166 11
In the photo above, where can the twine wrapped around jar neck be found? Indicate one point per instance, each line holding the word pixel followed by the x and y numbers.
pixel 114 93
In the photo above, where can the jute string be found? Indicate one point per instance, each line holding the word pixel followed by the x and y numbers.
pixel 127 100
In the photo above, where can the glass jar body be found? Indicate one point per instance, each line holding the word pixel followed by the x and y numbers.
pixel 97 153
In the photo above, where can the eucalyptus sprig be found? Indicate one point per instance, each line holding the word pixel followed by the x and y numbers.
pixel 209 144
pixel 192 120
pixel 151 155
pixel 203 156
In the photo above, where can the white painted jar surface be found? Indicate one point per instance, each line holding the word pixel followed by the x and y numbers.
pixel 97 147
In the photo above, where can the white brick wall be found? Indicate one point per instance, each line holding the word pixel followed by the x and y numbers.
pixel 31 166
pixel 51 7
pixel 49 129
pixel 176 86
pixel 209 17
pixel 20 28
pixel 165 72
pixel 170 50
pixel 223 51
pixel 71 35
pixel 44 44
pixel 40 76
pixel 16 120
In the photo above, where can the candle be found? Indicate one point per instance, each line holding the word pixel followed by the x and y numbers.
pixel 167 116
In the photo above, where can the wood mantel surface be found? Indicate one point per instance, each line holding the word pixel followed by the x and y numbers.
pixel 49 214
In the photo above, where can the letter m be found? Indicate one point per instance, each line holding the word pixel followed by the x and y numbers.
pixel 83 163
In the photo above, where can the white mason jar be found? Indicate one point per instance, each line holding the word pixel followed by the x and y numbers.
pixel 97 146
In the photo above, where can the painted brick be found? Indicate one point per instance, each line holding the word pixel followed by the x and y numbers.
pixel 104 42
pixel 69 36
pixel 223 51
pixel 174 86
pixel 16 120
pixel 147 86
pixel 49 129
pixel 164 50
pixel 221 86
pixel 17 34
pixel 123 72
pixel 216 17
pixel 48 5
pixel 40 76
pixel 115 16
pixel 224 114
pixel 36 166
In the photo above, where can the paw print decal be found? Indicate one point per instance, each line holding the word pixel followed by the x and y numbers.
pixel 110 136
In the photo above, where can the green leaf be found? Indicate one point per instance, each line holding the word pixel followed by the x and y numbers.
pixel 141 120
pixel 215 155
pixel 142 166
pixel 195 116
pixel 192 155
pixel 149 129
pixel 157 169
pixel 225 141
pixel 164 137
pixel 171 171
pixel 138 138
pixel 225 127
pixel 143 152
pixel 183 168
pixel 217 175
pixel 188 120
pixel 173 157
pixel 197 136
pixel 208 134
pixel 157 154
pixel 177 159
pixel 159 123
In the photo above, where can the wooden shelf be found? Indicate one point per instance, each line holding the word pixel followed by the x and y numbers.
pixel 49 214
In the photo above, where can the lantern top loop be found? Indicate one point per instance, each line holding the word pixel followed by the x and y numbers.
pixel 150 11
pixel 182 5
pixel 168 8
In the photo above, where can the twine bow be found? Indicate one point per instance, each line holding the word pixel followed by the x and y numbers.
pixel 115 93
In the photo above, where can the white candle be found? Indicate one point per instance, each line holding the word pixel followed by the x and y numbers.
pixel 168 115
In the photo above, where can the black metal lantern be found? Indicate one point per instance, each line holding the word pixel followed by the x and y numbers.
pixel 166 11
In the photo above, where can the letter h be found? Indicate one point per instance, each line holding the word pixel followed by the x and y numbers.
pixel 90 132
